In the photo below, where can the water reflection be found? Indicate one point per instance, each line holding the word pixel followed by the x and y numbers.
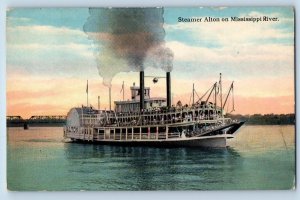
pixel 261 157
pixel 145 168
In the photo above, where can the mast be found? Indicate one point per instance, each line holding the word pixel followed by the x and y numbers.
pixel 193 94
pixel 123 90
pixel 109 98
pixel 215 98
pixel 220 83
pixel 87 93
pixel 98 102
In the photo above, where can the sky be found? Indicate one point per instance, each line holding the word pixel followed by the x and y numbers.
pixel 50 58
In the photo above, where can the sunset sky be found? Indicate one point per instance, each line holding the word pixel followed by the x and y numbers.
pixel 50 58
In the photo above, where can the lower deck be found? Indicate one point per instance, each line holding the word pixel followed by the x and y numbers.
pixel 155 135
pixel 126 133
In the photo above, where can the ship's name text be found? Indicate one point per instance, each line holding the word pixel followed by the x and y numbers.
pixel 228 19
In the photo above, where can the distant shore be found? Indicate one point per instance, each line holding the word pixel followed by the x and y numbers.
pixel 36 124
pixel 267 119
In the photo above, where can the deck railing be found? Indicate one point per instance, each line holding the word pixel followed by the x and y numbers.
pixel 106 118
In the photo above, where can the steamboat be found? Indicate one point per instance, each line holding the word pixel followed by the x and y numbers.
pixel 148 121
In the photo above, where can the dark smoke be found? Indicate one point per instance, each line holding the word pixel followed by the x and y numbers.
pixel 125 37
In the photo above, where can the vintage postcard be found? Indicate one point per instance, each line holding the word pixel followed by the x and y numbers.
pixel 106 99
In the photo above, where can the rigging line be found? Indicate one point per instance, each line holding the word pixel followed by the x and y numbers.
pixel 232 99
pixel 196 94
pixel 227 107
pixel 231 105
pixel 214 98
pixel 205 93
pixel 228 93
pixel 190 99
pixel 211 91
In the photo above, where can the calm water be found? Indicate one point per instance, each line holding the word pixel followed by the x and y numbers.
pixel 260 157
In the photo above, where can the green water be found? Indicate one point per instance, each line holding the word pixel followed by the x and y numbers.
pixel 260 157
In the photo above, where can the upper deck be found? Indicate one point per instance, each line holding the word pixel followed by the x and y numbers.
pixel 85 116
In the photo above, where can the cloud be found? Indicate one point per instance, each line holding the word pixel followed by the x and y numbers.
pixel 70 48
pixel 235 33
pixel 48 50
pixel 44 35
pixel 240 61
pixel 13 21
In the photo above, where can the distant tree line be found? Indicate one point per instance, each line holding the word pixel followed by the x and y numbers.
pixel 16 121
pixel 268 119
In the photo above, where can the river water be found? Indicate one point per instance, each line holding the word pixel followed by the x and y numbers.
pixel 260 157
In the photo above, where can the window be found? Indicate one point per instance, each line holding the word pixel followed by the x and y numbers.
pixel 144 130
pixel 153 130
pixel 161 129
pixel 100 131
pixel 136 130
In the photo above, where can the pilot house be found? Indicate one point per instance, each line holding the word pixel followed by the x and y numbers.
pixel 133 105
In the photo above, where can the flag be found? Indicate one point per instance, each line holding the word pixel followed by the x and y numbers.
pixel 87 86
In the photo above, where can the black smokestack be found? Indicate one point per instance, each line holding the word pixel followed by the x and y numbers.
pixel 169 89
pixel 142 90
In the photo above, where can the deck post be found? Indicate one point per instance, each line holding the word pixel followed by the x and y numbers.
pixel 114 134
pixel 193 117
pixel 84 133
pixel 89 133
pixel 167 130
pixel 126 132
pixel 140 133
pixel 132 133
pixel 157 133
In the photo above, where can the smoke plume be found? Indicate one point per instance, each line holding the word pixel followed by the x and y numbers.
pixel 125 37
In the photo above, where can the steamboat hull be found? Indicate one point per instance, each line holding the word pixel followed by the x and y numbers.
pixel 214 142
pixel 216 139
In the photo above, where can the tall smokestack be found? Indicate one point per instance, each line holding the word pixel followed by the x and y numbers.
pixel 168 89
pixel 142 90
